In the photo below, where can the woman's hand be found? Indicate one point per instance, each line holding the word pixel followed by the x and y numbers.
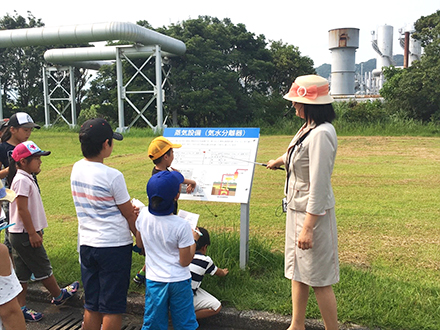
pixel 275 164
pixel 305 239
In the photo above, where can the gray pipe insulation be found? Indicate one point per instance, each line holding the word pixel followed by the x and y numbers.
pixel 95 32
pixel 69 55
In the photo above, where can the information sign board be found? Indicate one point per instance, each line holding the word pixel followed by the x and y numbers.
pixel 220 160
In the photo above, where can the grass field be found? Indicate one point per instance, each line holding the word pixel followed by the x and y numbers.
pixel 387 193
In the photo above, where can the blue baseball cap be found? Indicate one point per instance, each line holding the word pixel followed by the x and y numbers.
pixel 165 185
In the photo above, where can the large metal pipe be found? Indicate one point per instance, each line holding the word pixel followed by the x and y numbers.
pixel 76 34
pixel 69 55
pixel 406 50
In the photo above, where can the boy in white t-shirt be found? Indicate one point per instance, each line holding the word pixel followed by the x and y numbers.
pixel 169 245
pixel 105 219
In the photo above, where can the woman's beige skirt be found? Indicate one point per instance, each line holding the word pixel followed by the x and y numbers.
pixel 318 266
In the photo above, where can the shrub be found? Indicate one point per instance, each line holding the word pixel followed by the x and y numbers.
pixel 367 112
pixel 96 111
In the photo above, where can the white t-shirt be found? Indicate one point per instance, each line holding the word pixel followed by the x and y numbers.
pixel 97 191
pixel 162 237
pixel 11 287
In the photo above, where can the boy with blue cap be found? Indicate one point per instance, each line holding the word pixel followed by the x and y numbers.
pixel 169 245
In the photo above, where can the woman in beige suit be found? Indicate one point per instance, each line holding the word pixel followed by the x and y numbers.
pixel 311 250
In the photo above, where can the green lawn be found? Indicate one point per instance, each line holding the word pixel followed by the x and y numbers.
pixel 387 193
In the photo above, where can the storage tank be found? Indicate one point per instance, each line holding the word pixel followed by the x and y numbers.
pixel 343 44
pixel 415 50
pixel 383 45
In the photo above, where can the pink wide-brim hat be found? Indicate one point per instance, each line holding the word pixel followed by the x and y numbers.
pixel 310 89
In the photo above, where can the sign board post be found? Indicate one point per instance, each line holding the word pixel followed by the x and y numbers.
pixel 221 161
pixel 244 235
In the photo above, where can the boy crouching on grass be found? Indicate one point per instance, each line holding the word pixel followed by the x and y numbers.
pixel 169 248
pixel 205 304
pixel 26 236
pixel 105 218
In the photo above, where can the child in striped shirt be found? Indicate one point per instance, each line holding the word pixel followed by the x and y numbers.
pixel 205 304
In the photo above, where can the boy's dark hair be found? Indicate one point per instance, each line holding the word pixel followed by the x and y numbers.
pixel 92 135
pixel 319 113
pixel 91 148
pixel 204 239
pixel 155 202
pixel 157 161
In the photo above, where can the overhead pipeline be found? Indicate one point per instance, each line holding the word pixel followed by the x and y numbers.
pixel 76 34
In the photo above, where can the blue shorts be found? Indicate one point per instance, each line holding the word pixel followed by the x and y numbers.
pixel 174 297
pixel 105 273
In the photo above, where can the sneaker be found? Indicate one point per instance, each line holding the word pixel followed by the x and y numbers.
pixel 30 315
pixel 139 279
pixel 66 293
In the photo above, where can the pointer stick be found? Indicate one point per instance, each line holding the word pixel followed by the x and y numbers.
pixel 256 163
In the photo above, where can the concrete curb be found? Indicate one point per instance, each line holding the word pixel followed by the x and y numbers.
pixel 229 318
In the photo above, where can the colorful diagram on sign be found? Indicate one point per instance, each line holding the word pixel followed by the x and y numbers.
pixel 227 186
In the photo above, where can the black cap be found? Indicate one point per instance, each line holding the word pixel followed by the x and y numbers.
pixel 98 129
pixel 22 119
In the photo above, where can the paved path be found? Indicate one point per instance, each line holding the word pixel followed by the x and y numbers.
pixel 69 316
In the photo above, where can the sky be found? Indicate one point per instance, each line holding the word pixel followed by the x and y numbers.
pixel 302 23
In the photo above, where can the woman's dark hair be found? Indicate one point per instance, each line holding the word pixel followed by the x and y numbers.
pixel 13 165
pixel 319 113
pixel 204 239
pixel 91 148
pixel 157 161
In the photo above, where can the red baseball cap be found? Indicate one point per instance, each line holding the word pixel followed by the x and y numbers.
pixel 27 149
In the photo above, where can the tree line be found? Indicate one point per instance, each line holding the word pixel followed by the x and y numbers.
pixel 228 76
